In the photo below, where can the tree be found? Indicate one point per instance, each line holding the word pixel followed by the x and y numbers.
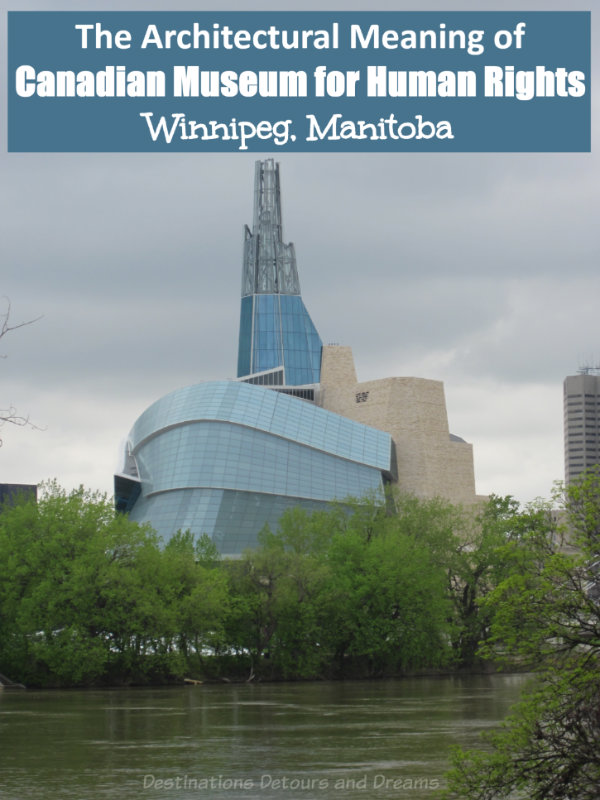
pixel 492 546
pixel 351 591
pixel 548 616
pixel 76 585
pixel 194 589
pixel 88 596
pixel 276 592
pixel 388 608
pixel 10 414
pixel 476 549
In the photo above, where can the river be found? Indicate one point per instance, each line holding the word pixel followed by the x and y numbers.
pixel 311 741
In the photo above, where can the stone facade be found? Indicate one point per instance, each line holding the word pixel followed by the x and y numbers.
pixel 430 462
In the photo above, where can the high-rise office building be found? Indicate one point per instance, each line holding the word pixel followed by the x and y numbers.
pixel 581 399
pixel 295 428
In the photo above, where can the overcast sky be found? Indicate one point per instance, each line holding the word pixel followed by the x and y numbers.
pixel 478 270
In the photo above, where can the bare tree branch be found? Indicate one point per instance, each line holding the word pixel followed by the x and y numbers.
pixel 10 414
pixel 6 327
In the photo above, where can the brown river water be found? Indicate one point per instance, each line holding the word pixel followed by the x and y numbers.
pixel 305 741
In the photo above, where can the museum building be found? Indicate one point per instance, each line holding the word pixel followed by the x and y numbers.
pixel 296 428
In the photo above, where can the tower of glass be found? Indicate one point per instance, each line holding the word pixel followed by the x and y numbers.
pixel 278 344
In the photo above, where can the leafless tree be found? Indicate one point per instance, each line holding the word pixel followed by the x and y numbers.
pixel 11 414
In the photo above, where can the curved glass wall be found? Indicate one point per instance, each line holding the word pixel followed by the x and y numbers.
pixel 225 458
pixel 232 519
pixel 263 409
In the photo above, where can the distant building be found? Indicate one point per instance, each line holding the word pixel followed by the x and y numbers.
pixel 581 395
pixel 295 429
pixel 12 492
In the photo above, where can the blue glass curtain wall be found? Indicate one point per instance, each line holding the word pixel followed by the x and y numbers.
pixel 245 340
pixel 262 409
pixel 276 331
pixel 232 519
pixel 225 457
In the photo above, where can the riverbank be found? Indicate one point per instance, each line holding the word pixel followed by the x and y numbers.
pixel 239 678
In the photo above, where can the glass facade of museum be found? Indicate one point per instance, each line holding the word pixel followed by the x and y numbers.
pixel 224 458
pixel 277 334
pixel 276 331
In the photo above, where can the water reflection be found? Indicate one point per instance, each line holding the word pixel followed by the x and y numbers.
pixel 241 742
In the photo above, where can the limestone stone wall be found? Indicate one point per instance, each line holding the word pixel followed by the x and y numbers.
pixel 413 411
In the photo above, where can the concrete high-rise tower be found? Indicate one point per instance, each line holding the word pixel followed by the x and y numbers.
pixel 582 421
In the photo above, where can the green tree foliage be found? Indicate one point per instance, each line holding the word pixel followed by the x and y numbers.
pixel 276 595
pixel 387 595
pixel 196 596
pixel 87 595
pixel 495 545
pixel 363 589
pixel 372 589
pixel 547 615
